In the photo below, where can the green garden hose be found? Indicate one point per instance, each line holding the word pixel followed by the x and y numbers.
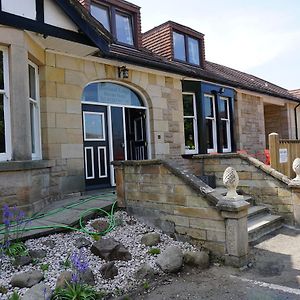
pixel 110 216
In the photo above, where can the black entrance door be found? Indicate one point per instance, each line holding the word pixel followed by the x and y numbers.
pixel 96 146
pixel 136 134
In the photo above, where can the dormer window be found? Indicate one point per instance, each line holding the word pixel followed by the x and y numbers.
pixel 186 48
pixel 117 22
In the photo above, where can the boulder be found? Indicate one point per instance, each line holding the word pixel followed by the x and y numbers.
pixel 109 270
pixel 145 272
pixel 151 239
pixel 38 291
pixel 27 279
pixel 82 242
pixel 109 249
pixel 199 259
pixel 22 261
pixel 64 278
pixel 87 277
pixel 38 254
pixel 170 260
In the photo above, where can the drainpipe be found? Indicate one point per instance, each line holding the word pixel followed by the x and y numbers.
pixel 296 123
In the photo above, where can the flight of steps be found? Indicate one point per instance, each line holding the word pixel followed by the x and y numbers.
pixel 260 221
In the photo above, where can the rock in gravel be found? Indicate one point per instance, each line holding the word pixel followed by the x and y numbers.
pixel 49 243
pixel 87 277
pixel 82 242
pixel 64 278
pixel 38 291
pixel 22 261
pixel 109 249
pixel 145 272
pixel 37 254
pixel 100 225
pixel 109 270
pixel 170 261
pixel 151 239
pixel 27 279
pixel 199 259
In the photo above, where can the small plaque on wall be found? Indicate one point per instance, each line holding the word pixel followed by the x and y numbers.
pixel 283 156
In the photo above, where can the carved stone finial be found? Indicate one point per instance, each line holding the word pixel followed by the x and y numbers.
pixel 296 168
pixel 231 181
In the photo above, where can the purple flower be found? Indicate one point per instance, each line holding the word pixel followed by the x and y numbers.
pixel 79 262
pixel 74 278
pixel 7 215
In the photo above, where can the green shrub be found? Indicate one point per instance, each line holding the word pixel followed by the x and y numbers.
pixel 154 251
pixel 14 296
pixel 45 267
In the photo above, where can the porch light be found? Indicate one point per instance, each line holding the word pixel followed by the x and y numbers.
pixel 123 72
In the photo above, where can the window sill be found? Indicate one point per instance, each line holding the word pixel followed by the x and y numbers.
pixel 25 165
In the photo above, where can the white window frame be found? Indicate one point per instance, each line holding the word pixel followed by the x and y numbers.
pixel 228 149
pixel 195 127
pixel 6 107
pixel 214 124
pixel 37 122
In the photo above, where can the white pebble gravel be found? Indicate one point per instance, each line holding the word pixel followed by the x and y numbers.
pixel 129 235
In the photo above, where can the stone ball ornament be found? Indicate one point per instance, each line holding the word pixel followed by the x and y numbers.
pixel 296 168
pixel 231 181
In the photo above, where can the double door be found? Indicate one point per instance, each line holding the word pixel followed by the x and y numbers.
pixel 111 133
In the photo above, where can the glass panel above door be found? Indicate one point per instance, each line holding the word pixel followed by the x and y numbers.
pixel 93 126
pixel 110 93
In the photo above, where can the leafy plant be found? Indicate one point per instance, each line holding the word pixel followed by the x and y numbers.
pixel 76 291
pixel 45 267
pixel 66 263
pixel 154 251
pixel 16 249
pixel 146 285
pixel 96 237
pixel 15 296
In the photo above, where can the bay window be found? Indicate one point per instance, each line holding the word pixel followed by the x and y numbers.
pixel 225 124
pixel 5 134
pixel 210 123
pixel 34 109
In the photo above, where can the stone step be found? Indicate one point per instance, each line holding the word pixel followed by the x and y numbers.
pixel 261 225
pixel 257 210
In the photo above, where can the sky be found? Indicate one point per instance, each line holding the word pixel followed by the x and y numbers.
pixel 260 37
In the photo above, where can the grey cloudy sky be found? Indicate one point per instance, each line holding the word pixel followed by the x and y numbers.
pixel 260 37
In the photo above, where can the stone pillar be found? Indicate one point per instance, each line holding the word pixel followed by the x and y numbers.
pixel 120 188
pixel 235 213
pixel 296 203
pixel 19 103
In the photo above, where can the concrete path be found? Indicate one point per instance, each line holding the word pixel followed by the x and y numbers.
pixel 67 212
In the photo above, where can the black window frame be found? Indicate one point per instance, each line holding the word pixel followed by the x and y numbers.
pixel 108 14
pixel 186 47
pixel 112 11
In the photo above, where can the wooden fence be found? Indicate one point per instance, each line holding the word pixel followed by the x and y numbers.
pixel 283 153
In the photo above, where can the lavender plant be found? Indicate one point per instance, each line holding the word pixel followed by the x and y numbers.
pixel 13 224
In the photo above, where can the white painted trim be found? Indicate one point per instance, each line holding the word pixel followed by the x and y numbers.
pixel 37 116
pixel 214 124
pixel 195 125
pixel 110 145
pixel 124 134
pixel 112 105
pixel 6 107
pixel 86 165
pixel 228 121
pixel 105 162
pixel 103 125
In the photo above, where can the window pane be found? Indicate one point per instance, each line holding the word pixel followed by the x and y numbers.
pixel 224 133
pixel 209 134
pixel 93 126
pixel 124 29
pixel 208 107
pixel 2 125
pixel 111 93
pixel 193 46
pixel 189 134
pixel 101 14
pixel 188 105
pixel 1 72
pixel 223 108
pixel 32 123
pixel 32 83
pixel 179 46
